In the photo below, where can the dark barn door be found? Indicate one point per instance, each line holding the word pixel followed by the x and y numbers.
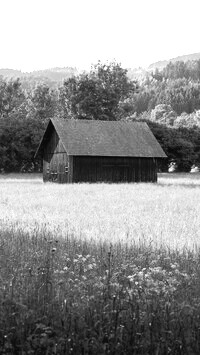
pixel 55 160
pixel 56 168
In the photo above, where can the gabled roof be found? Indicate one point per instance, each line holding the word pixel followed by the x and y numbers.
pixel 105 138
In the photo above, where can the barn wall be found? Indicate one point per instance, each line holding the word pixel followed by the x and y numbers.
pixel 56 162
pixel 114 169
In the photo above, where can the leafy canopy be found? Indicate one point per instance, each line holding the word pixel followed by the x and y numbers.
pixel 96 95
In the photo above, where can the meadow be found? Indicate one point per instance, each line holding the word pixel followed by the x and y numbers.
pixel 166 213
pixel 99 268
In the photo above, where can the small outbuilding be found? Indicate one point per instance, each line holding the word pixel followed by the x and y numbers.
pixel 99 151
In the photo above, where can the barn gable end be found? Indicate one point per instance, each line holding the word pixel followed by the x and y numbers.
pixel 92 151
pixel 56 161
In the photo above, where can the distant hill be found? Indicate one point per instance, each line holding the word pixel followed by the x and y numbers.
pixel 11 73
pixel 136 74
pixel 163 63
pixel 53 74
pixel 56 74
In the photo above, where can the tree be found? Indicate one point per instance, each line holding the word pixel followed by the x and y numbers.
pixel 42 103
pixel 19 139
pixel 163 114
pixel 96 95
pixel 11 96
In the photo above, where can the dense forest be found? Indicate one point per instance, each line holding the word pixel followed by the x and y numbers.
pixel 167 99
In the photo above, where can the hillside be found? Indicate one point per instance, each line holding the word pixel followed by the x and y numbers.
pixel 56 76
pixel 11 73
pixel 163 63
pixel 52 74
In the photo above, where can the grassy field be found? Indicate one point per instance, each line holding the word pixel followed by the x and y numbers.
pixel 166 213
pixel 99 269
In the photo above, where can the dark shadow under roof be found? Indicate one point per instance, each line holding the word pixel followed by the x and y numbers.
pixel 105 138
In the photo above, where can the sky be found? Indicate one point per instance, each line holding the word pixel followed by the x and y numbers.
pixel 42 34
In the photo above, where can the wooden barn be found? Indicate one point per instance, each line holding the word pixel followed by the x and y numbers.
pixel 94 151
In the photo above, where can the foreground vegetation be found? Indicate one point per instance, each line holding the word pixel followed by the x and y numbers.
pixel 68 288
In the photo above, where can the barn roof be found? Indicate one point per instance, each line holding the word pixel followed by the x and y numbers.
pixel 105 138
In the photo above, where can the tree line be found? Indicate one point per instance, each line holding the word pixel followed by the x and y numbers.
pixel 168 100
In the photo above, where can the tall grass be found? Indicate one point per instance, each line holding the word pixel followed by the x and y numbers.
pixel 166 213
pixel 100 269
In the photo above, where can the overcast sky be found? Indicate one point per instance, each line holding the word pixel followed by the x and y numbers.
pixel 41 34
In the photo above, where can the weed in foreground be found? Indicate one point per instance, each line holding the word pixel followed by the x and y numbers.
pixel 80 297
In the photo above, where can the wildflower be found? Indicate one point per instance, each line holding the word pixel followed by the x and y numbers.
pixel 131 278
pixel 140 274
pixel 173 266
pixel 90 267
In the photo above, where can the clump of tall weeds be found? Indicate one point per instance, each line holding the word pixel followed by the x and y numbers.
pixel 78 297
